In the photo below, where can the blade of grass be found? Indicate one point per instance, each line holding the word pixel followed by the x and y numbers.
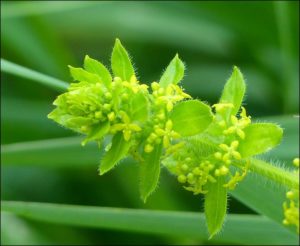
pixel 15 69
pixel 240 229
pixel 23 9
pixel 255 191
pixel 52 152
pixel 261 195
pixel 289 83
pixel 26 233
pixel 31 124
pixel 160 18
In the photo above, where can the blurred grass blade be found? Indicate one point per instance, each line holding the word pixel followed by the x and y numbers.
pixel 240 229
pixel 59 152
pixel 15 69
pixel 21 9
pixel 261 195
pixel 26 233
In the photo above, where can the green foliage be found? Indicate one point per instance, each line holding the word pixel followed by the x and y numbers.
pixel 117 151
pixel 191 117
pixel 188 224
pixel 208 165
pixel 138 121
pixel 149 171
pixel 120 62
pixel 214 148
pixel 215 205
pixel 260 137
pixel 80 74
pixel 173 73
pixel 35 152
pixel 234 91
pixel 95 67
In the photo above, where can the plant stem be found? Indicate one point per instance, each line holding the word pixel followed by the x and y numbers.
pixel 15 69
pixel 277 174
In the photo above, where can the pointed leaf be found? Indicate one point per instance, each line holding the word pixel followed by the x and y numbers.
pixel 234 91
pixel 150 171
pixel 96 67
pixel 118 151
pixel 80 74
pixel 120 62
pixel 139 107
pixel 215 206
pixel 97 132
pixel 173 73
pixel 260 137
pixel 191 117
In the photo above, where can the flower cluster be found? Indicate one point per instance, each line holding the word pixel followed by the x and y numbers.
pixel 195 170
pixel 228 152
pixel 291 207
pixel 86 106
pixel 163 100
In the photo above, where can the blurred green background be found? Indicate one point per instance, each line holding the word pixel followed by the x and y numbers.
pixel 261 38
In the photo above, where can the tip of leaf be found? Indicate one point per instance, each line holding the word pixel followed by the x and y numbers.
pixel 144 198
pixel 102 171
pixel 213 233
pixel 117 41
pixel 236 70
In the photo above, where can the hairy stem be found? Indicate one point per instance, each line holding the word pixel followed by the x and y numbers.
pixel 277 174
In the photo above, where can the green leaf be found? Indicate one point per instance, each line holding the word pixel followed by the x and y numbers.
pixel 97 132
pixel 120 62
pixel 139 107
pixel 118 150
pixel 260 137
pixel 234 91
pixel 173 73
pixel 215 206
pixel 191 117
pixel 96 67
pixel 80 74
pixel 150 171
pixel 240 229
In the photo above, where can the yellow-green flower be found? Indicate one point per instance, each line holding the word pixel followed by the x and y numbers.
pixel 127 127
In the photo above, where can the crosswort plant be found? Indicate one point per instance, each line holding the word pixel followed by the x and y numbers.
pixel 209 149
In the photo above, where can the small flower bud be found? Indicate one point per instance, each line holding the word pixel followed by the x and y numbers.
pixel 184 167
pixel 98 115
pixel 181 178
pixel 290 195
pixel 111 116
pixel 296 162
pixel 223 170
pixel 218 155
pixel 108 95
pixel 148 148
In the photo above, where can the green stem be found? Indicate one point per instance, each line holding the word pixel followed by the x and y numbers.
pixel 277 174
pixel 15 69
